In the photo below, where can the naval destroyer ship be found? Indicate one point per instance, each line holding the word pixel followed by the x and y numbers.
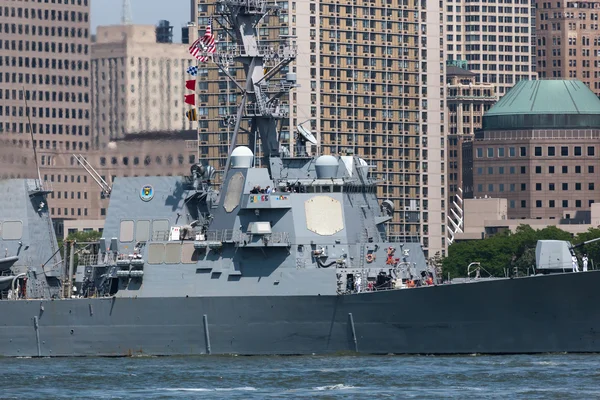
pixel 288 256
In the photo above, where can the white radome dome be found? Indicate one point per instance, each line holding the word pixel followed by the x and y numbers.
pixel 242 157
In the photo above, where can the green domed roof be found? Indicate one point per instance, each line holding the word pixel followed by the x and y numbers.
pixel 543 104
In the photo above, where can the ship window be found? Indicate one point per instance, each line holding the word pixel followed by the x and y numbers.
pixel 126 231
pixel 12 230
pixel 160 229
pixel 142 231
pixel 337 189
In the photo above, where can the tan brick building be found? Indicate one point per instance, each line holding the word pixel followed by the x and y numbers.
pixel 568 41
pixel 539 149
pixel 371 84
pixel 45 50
pixel 138 85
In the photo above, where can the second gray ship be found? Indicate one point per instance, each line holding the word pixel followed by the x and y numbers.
pixel 288 258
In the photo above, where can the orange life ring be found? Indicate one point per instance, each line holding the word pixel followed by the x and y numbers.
pixel 370 258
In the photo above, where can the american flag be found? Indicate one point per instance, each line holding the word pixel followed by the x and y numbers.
pixel 204 45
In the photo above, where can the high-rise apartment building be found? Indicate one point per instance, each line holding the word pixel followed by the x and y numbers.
pixel 45 59
pixel 371 77
pixel 568 42
pixel 467 101
pixel 138 85
pixel 495 38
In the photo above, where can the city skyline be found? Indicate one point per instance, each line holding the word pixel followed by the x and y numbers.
pixel 108 12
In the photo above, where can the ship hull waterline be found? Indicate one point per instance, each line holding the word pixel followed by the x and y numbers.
pixel 552 313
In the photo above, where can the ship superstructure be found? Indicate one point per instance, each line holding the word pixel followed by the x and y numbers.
pixel 289 256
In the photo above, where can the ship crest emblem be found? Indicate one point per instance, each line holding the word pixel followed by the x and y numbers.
pixel 147 193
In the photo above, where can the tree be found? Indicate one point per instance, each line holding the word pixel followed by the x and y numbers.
pixel 81 237
pixel 503 251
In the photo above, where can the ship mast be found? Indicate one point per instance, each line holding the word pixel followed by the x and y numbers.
pixel 261 94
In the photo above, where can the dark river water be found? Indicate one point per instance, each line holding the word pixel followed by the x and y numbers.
pixel 551 376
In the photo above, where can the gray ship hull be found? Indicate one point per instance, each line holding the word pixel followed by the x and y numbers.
pixel 554 313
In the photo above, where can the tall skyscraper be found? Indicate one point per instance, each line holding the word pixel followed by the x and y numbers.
pixel 496 39
pixel 371 84
pixel 45 59
pixel 568 43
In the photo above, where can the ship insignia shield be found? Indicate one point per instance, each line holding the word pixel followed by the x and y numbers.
pixel 147 193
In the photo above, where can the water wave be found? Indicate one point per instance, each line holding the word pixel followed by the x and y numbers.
pixel 240 389
pixel 339 386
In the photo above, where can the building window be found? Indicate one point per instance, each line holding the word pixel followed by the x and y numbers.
pixel 479 171
pixel 565 169
pixel 501 152
pixel 512 204
pixel 551 186
pixel 590 202
pixel 564 151
pixel 523 151
pixel 103 211
pixel 551 204
pixel 512 170
pixel 591 186
pixel 538 186
pixel 565 186
pixel 590 169
pixel 551 151
pixel 480 188
pixel 538 151
pixel 479 152
pixel 577 203
pixel 577 150
pixel 591 151
pixel 490 152
pixel 551 170
pixel 512 187
pixel 578 186
pixel 523 170
pixel 578 169
pixel 501 187
pixel 523 187
pixel 512 152
pixel 490 171
pixel 538 169
pixel 523 203
pixel 565 203
pixel 490 187
pixel 501 170
pixel 538 203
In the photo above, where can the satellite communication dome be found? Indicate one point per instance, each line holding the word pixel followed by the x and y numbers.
pixel 326 167
pixel 241 157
